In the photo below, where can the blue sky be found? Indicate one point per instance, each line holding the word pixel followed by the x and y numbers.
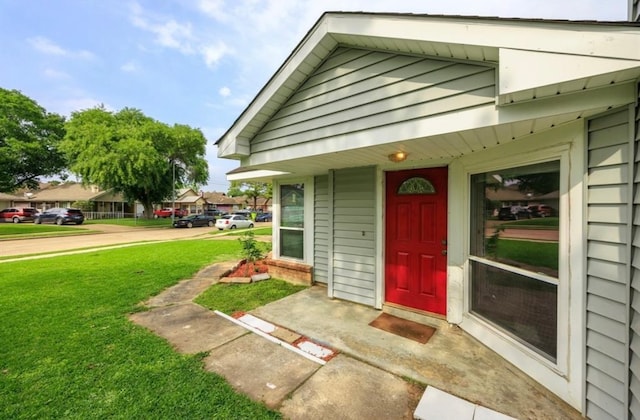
pixel 195 62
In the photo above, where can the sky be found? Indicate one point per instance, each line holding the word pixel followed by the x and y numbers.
pixel 194 62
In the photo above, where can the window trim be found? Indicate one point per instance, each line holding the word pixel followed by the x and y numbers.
pixel 565 377
pixel 308 229
pixel 516 270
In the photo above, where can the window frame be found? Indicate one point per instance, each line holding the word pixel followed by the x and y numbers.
pixel 308 226
pixel 498 339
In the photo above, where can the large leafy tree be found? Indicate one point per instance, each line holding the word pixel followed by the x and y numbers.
pixel 29 140
pixel 135 155
pixel 252 190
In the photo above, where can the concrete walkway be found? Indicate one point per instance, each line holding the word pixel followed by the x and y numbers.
pixel 364 380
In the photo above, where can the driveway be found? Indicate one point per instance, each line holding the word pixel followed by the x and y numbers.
pixel 106 235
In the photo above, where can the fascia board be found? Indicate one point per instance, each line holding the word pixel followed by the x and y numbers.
pixel 567 38
pixel 521 70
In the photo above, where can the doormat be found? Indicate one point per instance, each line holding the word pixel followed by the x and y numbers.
pixel 403 327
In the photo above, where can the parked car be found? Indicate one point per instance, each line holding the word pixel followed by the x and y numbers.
pixel 166 212
pixel 60 216
pixel 215 213
pixel 233 221
pixel 195 220
pixel 540 210
pixel 18 214
pixel 264 217
pixel 514 213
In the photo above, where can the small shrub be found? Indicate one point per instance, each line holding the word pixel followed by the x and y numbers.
pixel 250 248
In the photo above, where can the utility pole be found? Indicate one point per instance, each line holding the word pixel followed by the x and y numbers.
pixel 173 194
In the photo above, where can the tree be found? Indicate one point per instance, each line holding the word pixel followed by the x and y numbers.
pixel 252 190
pixel 29 140
pixel 135 155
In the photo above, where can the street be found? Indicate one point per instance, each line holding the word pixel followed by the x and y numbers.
pixel 109 235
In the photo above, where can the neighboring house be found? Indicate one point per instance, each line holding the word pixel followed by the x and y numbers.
pixel 65 194
pixel 385 136
pixel 8 200
pixel 262 204
pixel 187 199
pixel 221 201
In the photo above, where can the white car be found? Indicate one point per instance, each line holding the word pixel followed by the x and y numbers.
pixel 233 221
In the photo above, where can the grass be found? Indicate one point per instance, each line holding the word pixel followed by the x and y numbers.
pixel 229 298
pixel 132 222
pixel 267 231
pixel 69 350
pixel 30 230
pixel 535 254
pixel 539 223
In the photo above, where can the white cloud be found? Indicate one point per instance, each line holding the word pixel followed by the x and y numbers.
pixel 214 9
pixel 129 67
pixel 183 36
pixel 212 54
pixel 168 32
pixel 224 91
pixel 46 46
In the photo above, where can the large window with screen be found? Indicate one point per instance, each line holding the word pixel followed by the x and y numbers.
pixel 514 252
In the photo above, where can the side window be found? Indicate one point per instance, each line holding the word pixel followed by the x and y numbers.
pixel 292 221
pixel 514 252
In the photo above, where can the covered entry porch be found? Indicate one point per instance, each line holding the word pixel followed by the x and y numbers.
pixel 451 360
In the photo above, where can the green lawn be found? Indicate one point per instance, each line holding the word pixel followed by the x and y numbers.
pixel 536 223
pixel 256 231
pixel 11 230
pixel 132 222
pixel 69 351
pixel 230 298
pixel 534 254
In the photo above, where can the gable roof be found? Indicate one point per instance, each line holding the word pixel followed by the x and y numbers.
pixel 536 60
pixel 71 191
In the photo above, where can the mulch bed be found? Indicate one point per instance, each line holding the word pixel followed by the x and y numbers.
pixel 245 269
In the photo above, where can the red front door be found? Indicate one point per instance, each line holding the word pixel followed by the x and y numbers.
pixel 416 239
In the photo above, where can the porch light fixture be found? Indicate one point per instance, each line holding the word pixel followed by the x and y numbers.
pixel 397 157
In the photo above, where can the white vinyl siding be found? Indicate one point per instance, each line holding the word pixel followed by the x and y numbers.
pixel 353 235
pixel 356 90
pixel 321 227
pixel 634 364
pixel 608 259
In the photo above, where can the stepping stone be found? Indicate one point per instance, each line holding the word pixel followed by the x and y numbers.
pixel 189 328
pixel 263 370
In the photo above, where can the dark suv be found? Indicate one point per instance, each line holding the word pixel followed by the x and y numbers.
pixel 60 216
pixel 514 213
pixel 17 214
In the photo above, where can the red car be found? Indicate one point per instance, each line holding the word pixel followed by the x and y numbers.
pixel 17 214
pixel 167 213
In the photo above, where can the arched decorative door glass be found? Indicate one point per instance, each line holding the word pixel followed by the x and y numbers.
pixel 416 185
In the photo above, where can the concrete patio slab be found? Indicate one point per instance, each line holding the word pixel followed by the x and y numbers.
pixel 263 370
pixel 189 328
pixel 346 388
pixel 452 360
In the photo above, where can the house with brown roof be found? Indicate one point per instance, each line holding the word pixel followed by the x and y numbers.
pixel 222 202
pixel 103 203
